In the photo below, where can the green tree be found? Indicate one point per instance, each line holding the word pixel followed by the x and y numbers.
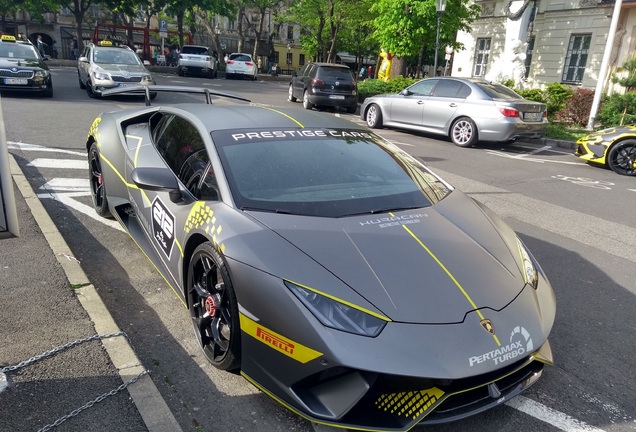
pixel 405 27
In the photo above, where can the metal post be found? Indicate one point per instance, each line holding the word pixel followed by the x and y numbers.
pixel 439 22
pixel 600 83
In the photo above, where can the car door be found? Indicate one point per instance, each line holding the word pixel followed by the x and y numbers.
pixel 301 80
pixel 177 146
pixel 408 106
pixel 83 66
pixel 446 99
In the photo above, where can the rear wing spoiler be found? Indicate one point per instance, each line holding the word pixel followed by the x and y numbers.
pixel 148 89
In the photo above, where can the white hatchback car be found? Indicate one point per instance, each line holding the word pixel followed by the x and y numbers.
pixel 240 65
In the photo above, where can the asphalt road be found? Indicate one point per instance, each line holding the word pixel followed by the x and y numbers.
pixel 578 220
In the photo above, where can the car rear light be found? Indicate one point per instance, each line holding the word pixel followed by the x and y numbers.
pixel 230 62
pixel 545 114
pixel 317 82
pixel 249 64
pixel 509 112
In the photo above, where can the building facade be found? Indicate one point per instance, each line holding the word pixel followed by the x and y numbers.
pixel 536 43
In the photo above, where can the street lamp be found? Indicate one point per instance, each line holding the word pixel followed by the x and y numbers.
pixel 449 52
pixel 441 6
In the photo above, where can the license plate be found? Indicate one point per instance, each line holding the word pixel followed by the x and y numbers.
pixel 126 84
pixel 19 81
pixel 336 97
pixel 532 116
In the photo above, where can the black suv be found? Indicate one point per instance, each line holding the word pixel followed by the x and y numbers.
pixel 325 84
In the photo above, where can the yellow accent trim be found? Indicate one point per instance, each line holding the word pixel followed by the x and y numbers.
pixel 139 139
pixel 329 296
pixel 283 114
pixel 179 247
pixel 123 180
pixel 450 275
pixel 277 341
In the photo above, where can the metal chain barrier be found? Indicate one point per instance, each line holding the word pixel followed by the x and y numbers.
pixel 68 345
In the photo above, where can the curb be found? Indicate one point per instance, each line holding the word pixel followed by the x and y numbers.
pixel 145 395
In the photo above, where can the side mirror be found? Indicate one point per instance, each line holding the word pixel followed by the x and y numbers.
pixel 146 63
pixel 83 59
pixel 406 92
pixel 158 179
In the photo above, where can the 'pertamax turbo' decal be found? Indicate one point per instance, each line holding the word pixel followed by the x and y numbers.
pixel 162 226
pixel 520 344
pixel 277 341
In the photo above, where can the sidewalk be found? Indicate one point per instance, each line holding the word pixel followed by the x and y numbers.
pixel 65 365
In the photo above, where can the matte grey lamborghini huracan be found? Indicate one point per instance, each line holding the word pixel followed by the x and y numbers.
pixel 339 274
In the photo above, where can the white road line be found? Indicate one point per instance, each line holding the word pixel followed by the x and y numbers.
pixel 550 416
pixel 67 185
pixel 34 147
pixel 67 199
pixel 524 157
pixel 59 163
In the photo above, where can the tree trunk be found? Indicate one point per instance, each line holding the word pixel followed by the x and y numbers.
pixel 241 36
pixel 398 67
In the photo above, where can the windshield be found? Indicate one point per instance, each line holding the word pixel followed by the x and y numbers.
pixel 323 172
pixel 18 51
pixel 115 56
pixel 198 50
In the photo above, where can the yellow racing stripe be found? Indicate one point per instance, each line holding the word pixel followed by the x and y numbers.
pixel 450 275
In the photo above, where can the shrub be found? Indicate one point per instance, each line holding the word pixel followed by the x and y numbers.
pixel 556 95
pixel 371 87
pixel 536 95
pixel 576 109
pixel 617 109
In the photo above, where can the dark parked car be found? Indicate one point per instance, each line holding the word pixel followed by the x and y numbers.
pixel 465 109
pixel 325 84
pixel 336 272
pixel 22 68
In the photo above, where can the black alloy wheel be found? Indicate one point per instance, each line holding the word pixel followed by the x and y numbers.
pixel 96 180
pixel 213 308
pixel 622 158
pixel 89 90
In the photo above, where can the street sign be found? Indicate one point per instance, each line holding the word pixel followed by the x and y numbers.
pixel 163 26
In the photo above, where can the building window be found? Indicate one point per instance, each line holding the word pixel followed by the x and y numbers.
pixel 290 32
pixel 290 58
pixel 277 31
pixel 576 58
pixel 528 60
pixel 482 53
pixel 231 24
pixel 301 59
pixel 276 57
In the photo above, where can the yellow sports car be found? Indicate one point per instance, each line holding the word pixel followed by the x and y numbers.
pixel 614 147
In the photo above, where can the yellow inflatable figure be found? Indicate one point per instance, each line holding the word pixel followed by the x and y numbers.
pixel 385 66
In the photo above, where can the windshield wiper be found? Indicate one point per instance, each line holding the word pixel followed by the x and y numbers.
pixel 280 211
pixel 385 210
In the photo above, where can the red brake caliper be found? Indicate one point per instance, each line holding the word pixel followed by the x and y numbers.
pixel 210 306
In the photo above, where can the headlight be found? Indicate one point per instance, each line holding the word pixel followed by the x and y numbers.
pixel 146 78
pixel 337 315
pixel 42 73
pixel 530 275
pixel 101 76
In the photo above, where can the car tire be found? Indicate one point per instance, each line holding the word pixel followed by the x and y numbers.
pixel 228 76
pixel 290 94
pixel 351 109
pixel 96 181
pixel 621 158
pixel 463 132
pixel 214 308
pixel 306 104
pixel 374 116
pixel 89 90
pixel 179 71
pixel 81 84
pixel 49 91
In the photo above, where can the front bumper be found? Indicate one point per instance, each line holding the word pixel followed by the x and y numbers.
pixel 31 85
pixel 363 400
pixel 591 151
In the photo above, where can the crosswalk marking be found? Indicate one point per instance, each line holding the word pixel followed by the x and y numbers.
pixel 59 163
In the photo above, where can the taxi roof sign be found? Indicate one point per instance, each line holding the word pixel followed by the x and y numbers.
pixel 106 43
pixel 7 38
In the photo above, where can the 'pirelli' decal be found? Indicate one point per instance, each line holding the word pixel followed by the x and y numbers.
pixel 277 341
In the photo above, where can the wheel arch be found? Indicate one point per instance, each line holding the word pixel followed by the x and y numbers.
pixel 614 144
pixel 193 242
pixel 451 123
